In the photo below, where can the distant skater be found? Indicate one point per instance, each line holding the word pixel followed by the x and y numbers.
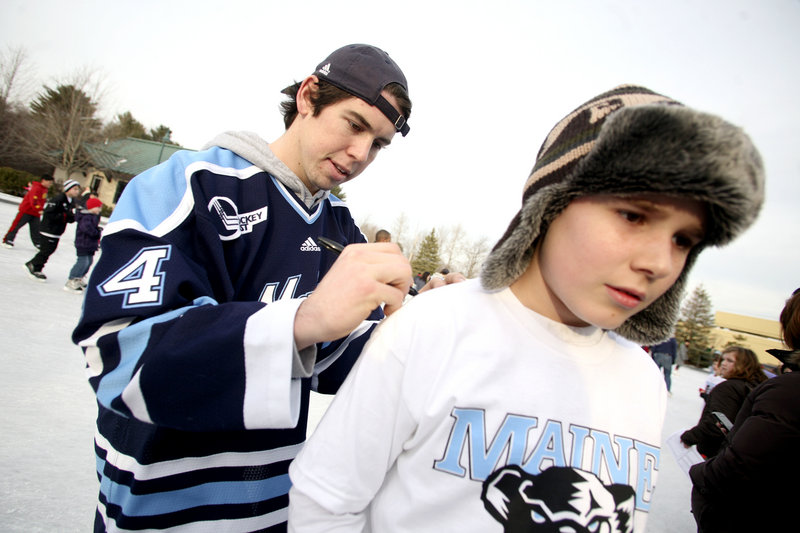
pixel 87 240
pixel 30 209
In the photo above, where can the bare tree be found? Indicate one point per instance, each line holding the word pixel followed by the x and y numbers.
pixel 15 76
pixel 63 119
pixel 474 254
pixel 452 242
pixel 368 229
pixel 400 235
pixel 14 80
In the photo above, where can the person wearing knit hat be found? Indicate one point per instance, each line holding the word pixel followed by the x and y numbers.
pixel 87 241
pixel 511 402
pixel 58 211
pixel 69 184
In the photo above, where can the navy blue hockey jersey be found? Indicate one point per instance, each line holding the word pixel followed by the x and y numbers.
pixel 187 330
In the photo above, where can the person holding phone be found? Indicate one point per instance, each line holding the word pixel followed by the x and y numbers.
pixel 742 372
pixel 747 486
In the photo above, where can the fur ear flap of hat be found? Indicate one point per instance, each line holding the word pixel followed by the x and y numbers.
pixel 630 141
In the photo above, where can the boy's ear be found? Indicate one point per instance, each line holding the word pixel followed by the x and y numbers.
pixel 308 89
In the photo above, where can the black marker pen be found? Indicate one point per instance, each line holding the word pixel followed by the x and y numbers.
pixel 336 248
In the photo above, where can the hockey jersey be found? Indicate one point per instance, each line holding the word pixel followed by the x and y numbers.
pixel 187 330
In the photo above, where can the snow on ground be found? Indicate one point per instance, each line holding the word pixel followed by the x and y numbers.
pixel 47 467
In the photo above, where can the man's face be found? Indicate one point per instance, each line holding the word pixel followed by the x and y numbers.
pixel 73 192
pixel 47 183
pixel 341 141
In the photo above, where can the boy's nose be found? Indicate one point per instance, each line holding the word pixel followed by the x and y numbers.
pixel 655 257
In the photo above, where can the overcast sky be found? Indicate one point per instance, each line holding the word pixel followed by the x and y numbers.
pixel 488 81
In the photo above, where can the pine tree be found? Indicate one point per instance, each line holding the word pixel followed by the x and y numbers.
pixel 427 257
pixel 697 320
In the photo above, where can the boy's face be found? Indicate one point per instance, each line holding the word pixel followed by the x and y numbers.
pixel 605 258
pixel 340 142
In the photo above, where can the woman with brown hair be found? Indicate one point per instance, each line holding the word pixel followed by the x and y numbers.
pixel 742 372
pixel 746 487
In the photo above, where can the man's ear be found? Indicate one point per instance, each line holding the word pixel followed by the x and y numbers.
pixel 308 89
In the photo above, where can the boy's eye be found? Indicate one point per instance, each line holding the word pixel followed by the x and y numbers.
pixel 631 216
pixel 682 241
pixel 355 126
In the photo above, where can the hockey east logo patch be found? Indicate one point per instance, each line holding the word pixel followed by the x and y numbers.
pixel 232 223
pixel 557 499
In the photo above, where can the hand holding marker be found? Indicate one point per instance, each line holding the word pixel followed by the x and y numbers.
pixel 336 248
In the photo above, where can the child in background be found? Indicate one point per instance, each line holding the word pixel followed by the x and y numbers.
pixel 525 400
pixel 714 377
pixel 87 240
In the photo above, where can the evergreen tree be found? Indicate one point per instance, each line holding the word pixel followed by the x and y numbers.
pixel 427 257
pixel 697 320
pixel 339 193
pixel 63 119
pixel 124 125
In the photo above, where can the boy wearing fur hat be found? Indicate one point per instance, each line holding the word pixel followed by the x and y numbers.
pixel 525 400
pixel 58 211
pixel 87 240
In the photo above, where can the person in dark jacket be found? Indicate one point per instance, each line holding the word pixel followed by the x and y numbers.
pixel 87 240
pixel 742 373
pixel 748 485
pixel 57 213
pixel 664 355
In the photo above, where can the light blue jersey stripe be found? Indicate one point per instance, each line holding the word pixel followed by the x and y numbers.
pixel 132 343
pixel 162 188
pixel 216 493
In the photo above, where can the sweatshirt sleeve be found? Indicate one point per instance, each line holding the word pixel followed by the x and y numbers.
pixel 344 463
pixel 706 435
pixel 164 338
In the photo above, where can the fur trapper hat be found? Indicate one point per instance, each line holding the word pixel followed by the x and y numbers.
pixel 631 140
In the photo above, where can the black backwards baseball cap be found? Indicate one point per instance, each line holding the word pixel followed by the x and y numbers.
pixel 364 71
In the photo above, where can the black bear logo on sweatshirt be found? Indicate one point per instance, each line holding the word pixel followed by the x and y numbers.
pixel 557 499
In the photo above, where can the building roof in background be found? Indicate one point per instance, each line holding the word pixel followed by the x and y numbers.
pixel 129 155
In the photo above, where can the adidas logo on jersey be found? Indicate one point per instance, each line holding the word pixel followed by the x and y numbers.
pixel 326 69
pixel 309 246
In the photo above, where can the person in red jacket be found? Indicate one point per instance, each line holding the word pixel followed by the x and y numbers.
pixel 30 209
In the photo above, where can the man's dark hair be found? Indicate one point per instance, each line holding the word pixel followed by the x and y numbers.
pixel 327 94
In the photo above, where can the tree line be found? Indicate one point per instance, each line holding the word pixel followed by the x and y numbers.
pixel 52 128
pixel 435 249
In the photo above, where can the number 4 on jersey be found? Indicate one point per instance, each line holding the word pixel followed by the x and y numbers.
pixel 140 280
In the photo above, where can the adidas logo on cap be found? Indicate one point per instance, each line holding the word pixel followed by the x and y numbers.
pixel 309 246
pixel 326 69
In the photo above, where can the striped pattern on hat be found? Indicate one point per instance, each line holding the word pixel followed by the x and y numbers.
pixel 575 136
pixel 70 184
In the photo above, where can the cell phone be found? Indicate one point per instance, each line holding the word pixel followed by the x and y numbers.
pixel 722 419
